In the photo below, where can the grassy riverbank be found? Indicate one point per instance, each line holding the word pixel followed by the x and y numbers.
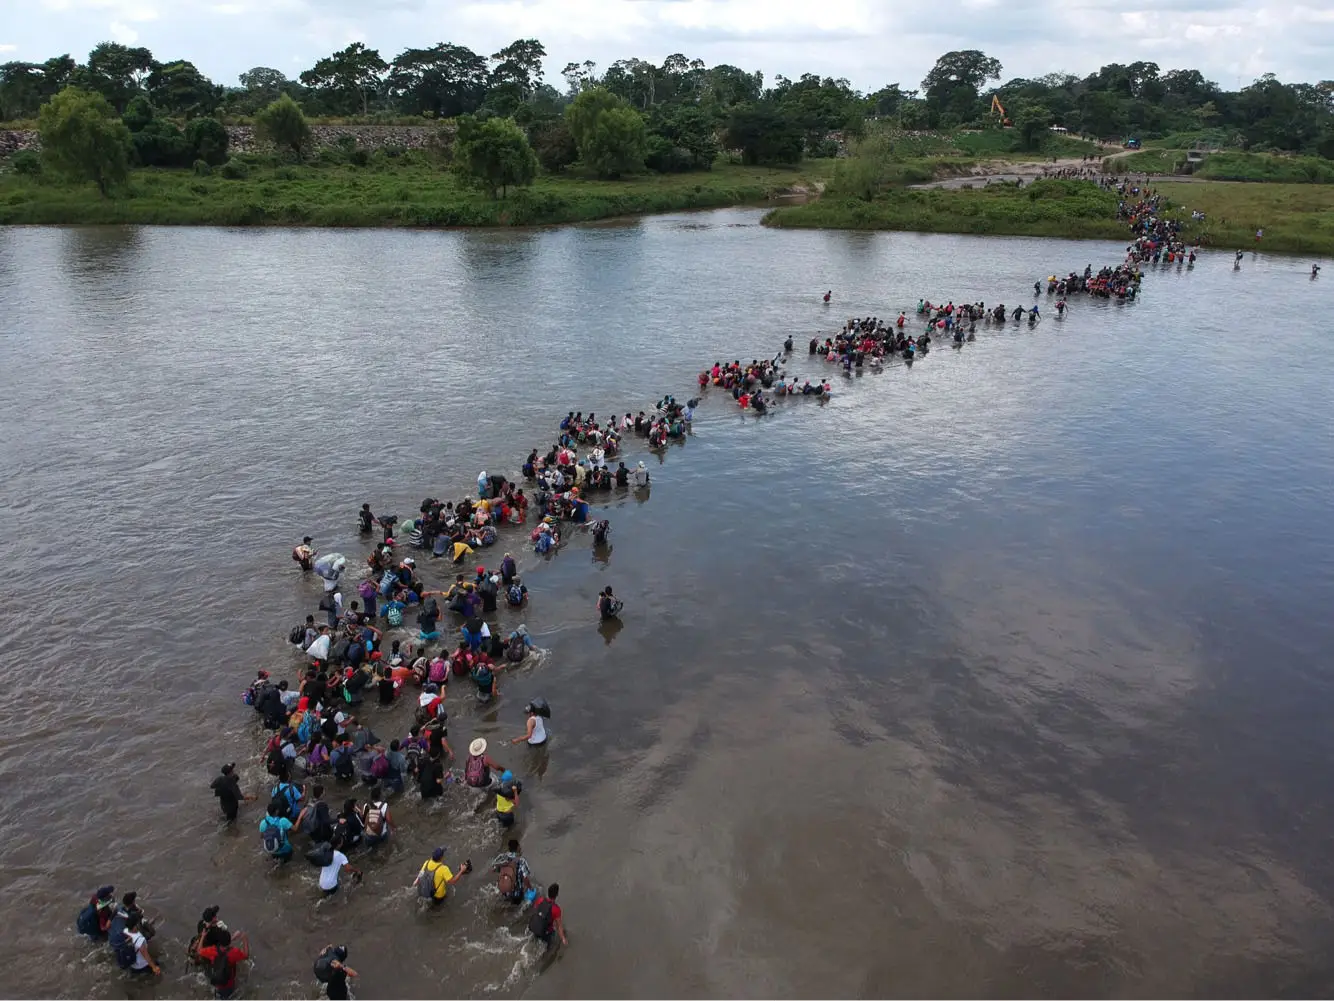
pixel 1044 208
pixel 408 195
pixel 1296 218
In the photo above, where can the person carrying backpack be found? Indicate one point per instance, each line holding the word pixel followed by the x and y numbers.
pixel 273 831
pixel 546 921
pixel 332 971
pixel 376 820
pixel 513 878
pixel 477 768
pixel 608 605
pixel 288 796
pixel 95 918
pixel 131 950
pixel 220 960
pixel 488 688
pixel 315 818
pixel 434 878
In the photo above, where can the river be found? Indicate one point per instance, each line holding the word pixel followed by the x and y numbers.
pixel 1006 674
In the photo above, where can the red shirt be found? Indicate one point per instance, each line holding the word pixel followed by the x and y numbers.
pixel 234 955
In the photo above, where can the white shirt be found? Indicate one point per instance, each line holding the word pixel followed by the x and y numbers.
pixel 329 874
pixel 138 941
pixel 319 650
pixel 539 731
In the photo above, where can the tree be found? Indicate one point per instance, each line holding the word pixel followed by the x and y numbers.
pixel 283 124
pixel 956 80
pixel 263 80
pixel 83 138
pixel 159 143
pixel 494 154
pixel 138 113
pixel 347 79
pixel 208 140
pixel 20 90
pixel 582 113
pixel 885 101
pixel 520 65
pixel 617 143
pixel 118 72
pixel 444 80
pixel 179 88
pixel 580 76
pixel 554 145
pixel 726 86
pixel 764 134
pixel 688 132
pixel 1032 121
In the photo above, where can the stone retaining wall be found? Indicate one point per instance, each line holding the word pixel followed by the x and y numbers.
pixel 242 137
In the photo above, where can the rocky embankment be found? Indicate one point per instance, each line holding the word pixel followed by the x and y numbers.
pixel 243 139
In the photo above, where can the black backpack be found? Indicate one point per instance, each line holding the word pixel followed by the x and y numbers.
pixel 324 966
pixel 220 967
pixel 297 634
pixel 541 921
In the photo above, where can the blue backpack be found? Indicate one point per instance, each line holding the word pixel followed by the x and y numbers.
pixel 274 842
pixel 543 543
pixel 515 595
pixel 124 951
pixel 86 923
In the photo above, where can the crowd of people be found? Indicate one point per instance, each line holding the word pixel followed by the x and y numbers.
pixel 331 780
pixel 359 657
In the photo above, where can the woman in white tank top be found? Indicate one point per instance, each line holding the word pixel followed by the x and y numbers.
pixel 536 733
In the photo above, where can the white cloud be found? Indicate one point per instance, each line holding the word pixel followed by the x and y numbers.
pixel 123 33
pixel 868 41
pixel 8 47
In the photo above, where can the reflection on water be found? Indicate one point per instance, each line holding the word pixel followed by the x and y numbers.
pixel 999 675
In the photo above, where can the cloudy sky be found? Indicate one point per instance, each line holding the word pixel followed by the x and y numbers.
pixel 871 42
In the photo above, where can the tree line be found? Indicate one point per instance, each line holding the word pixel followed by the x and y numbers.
pixel 680 97
pixel 123 107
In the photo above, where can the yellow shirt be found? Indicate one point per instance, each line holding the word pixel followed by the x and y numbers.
pixel 504 805
pixel 461 549
pixel 442 877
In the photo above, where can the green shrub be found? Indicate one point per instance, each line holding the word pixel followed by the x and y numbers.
pixel 235 170
pixel 208 138
pixel 202 168
pixel 27 162
pixel 359 157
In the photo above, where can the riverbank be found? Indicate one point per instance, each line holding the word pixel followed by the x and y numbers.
pixel 1296 218
pixel 406 195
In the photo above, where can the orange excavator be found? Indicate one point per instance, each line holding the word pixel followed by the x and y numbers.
pixel 999 109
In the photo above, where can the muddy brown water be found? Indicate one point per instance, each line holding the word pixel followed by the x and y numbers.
pixel 1006 674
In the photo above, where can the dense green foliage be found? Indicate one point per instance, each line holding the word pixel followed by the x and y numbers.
pixel 83 139
pixel 256 190
pixel 689 107
pixel 283 124
pixel 494 155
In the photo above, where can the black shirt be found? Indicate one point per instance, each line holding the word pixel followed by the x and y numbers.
pixel 430 778
pixel 228 789
pixel 487 589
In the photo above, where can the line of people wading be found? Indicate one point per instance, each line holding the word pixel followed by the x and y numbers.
pixel 361 659
pixel 319 745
